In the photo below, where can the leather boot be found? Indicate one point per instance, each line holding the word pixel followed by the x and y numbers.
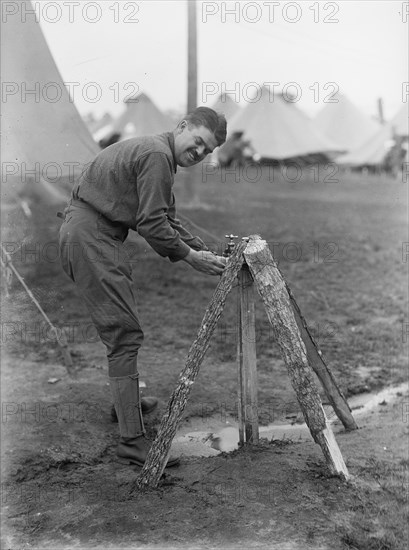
pixel 135 451
pixel 133 445
pixel 126 399
pixel 148 405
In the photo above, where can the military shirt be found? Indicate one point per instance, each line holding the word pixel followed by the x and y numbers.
pixel 131 183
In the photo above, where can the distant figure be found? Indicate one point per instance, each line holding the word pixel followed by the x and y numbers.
pixel 236 151
pixel 396 156
pixel 109 140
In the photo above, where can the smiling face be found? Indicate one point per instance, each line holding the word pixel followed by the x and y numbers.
pixel 193 143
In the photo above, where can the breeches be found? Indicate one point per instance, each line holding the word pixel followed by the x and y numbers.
pixel 93 256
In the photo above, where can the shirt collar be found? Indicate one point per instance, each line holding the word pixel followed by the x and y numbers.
pixel 171 139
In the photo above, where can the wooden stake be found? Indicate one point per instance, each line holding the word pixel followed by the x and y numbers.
pixel 272 289
pixel 241 386
pixel 247 361
pixel 160 450
pixel 321 369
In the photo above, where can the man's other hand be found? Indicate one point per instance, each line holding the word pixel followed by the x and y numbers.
pixel 206 262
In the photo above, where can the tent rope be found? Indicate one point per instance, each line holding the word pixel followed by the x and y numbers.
pixel 60 337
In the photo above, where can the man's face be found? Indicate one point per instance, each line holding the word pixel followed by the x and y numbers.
pixel 192 144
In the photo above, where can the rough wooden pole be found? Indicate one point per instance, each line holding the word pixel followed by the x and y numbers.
pixel 272 289
pixel 159 452
pixel 193 175
pixel 247 361
pixel 191 56
pixel 321 369
pixel 241 386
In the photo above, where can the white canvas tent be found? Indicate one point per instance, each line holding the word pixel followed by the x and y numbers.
pixel 400 122
pixel 278 129
pixel 375 150
pixel 42 131
pixel 345 124
pixel 224 104
pixel 141 118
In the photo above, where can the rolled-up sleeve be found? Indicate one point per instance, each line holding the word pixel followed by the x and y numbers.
pixel 154 187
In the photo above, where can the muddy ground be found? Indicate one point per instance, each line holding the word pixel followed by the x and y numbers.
pixel 340 245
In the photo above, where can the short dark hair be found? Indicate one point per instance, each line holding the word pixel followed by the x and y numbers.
pixel 215 122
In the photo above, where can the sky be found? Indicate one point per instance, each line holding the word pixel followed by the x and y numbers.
pixel 309 49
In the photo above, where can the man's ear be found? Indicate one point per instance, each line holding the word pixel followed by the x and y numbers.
pixel 181 126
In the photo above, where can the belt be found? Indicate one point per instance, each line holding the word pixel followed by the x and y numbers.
pixel 79 202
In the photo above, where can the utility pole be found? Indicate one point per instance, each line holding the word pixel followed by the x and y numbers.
pixel 194 173
pixel 191 56
pixel 380 111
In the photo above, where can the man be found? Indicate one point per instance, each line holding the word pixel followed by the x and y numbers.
pixel 129 186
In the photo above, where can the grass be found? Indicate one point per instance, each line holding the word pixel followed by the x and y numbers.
pixel 339 246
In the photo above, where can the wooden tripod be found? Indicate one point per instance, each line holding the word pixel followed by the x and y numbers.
pixel 254 265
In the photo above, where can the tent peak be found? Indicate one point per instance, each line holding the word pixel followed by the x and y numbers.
pixel 141 96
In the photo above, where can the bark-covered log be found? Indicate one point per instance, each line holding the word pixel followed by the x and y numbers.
pixel 160 450
pixel 272 289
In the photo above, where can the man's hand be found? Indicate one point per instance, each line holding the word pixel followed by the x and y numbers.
pixel 206 262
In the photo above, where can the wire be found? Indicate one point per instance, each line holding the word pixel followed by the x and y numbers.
pixel 198 227
pixel 326 48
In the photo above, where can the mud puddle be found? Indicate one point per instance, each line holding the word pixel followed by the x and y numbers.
pixel 213 435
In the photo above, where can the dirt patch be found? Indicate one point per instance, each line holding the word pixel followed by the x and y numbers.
pixel 74 494
pixel 62 486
